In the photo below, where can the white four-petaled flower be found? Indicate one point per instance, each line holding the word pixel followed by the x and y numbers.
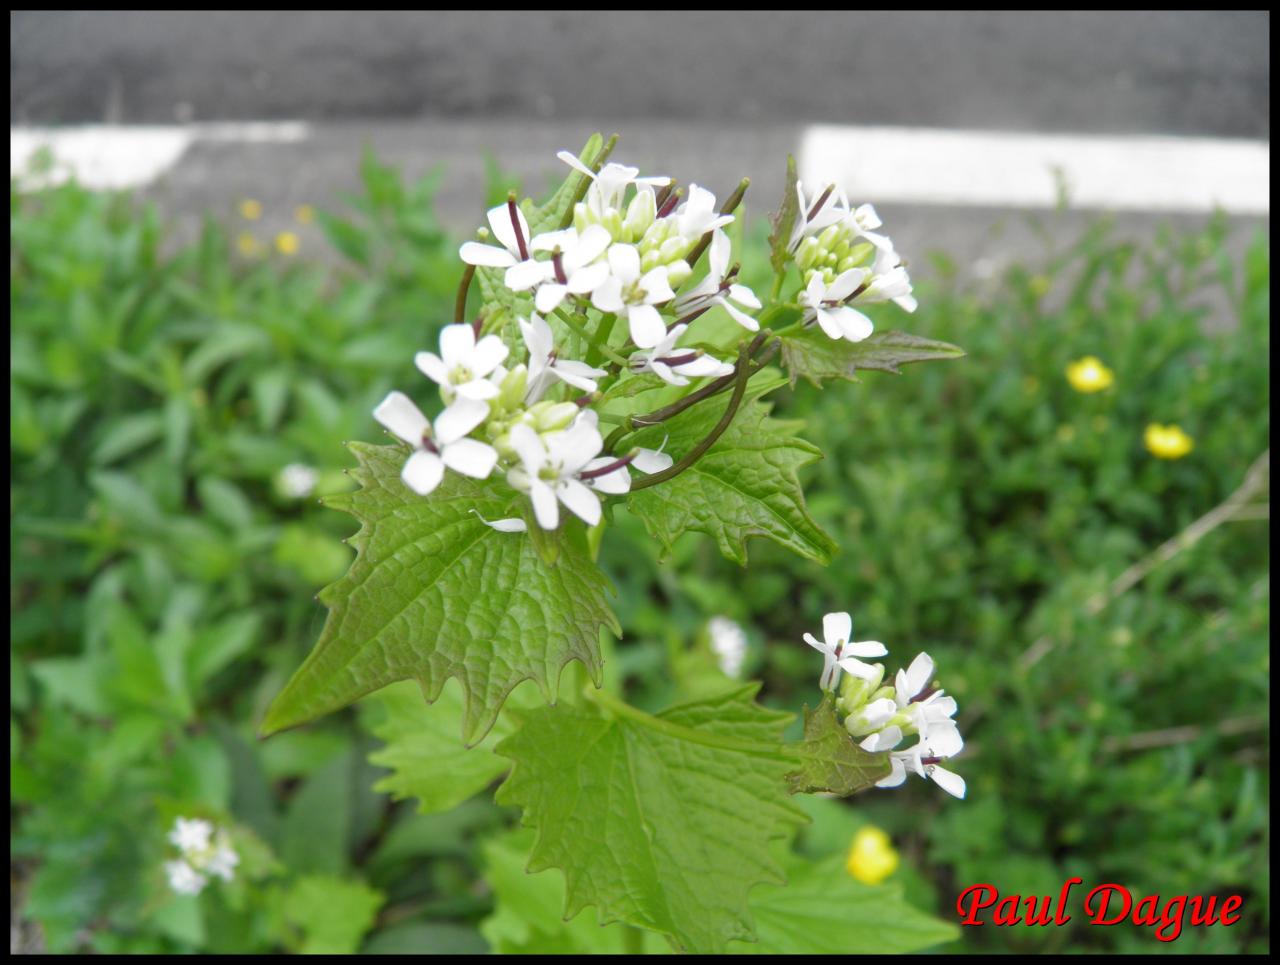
pixel 444 446
pixel 544 364
pixel 549 467
pixel 840 653
pixel 826 303
pixel 714 290
pixel 463 363
pixel 676 366
pixel 629 293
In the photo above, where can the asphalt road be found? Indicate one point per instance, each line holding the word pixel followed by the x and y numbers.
pixel 1181 72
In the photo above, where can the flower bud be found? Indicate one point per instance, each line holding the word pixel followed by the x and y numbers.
pixel 855 692
pixel 640 214
pixel 807 254
pixel 511 391
pixel 672 249
pixel 550 416
pixel 678 272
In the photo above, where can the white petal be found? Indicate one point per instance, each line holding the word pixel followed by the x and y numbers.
pixel 744 296
pixel 607 296
pixel 488 355
pixel 647 328
pixel 423 472
pixel 578 374
pixel 651 461
pixel 477 389
pixel 474 253
pixel 591 245
pixel 574 447
pixel 845 285
pixel 919 674
pixel 741 317
pixel 656 286
pixel 582 502
pixel 456 344
pixel 573 162
pixel 551 240
pixel 830 324
pixel 588 279
pixel 528 446
pixel 537 339
pixel 526 274
pixel 433 367
pixel 865 671
pixel 945 740
pixel 549 297
pixel 503 230
pixel 624 262
pixel 398 414
pixel 615 483
pixel 545 509
pixel 460 418
pixel 867 648
pixel 897 774
pixel 721 249
pixel 470 457
pixel 885 740
pixel 667 374
pixel 816 644
pixel 953 784
pixel 513 525
pixel 854 326
pixel 703 365
pixel 837 627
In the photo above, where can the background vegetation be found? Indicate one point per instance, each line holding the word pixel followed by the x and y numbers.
pixel 163 575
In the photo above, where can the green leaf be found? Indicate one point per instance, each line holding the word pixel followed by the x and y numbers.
pixel 811 353
pixel 527 915
pixel 784 220
pixel 435 593
pixel 832 759
pixel 316 833
pixel 825 910
pixel 745 485
pixel 551 215
pixel 426 757
pixel 662 822
pixel 333 914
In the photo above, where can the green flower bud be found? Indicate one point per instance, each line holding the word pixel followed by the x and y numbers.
pixel 640 214
pixel 861 253
pixel 830 237
pixel 678 273
pixel 550 416
pixel 672 249
pixel 612 221
pixel 808 253
pixel 855 692
pixel 511 392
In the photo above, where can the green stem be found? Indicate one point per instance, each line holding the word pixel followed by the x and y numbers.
pixel 777 285
pixel 464 286
pixel 578 329
pixel 741 374
pixel 603 331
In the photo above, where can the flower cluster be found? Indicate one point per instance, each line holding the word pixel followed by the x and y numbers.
pixel 203 853
pixel 511 407
pixel 880 717
pixel 844 262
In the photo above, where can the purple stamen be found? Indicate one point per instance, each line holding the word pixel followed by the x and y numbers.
pixel 679 359
pixel 817 205
pixel 688 318
pixel 930 761
pixel 669 205
pixel 608 468
pixel 427 444
pixel 556 260
pixel 515 224
pixel 923 695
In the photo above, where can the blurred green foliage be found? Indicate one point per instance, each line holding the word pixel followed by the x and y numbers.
pixel 163 574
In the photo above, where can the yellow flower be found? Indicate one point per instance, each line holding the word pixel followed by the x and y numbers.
pixel 1089 375
pixel 250 210
pixel 305 214
pixel 247 244
pixel 1167 442
pixel 871 856
pixel 287 243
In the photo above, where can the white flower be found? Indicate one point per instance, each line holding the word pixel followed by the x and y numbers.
pixel 931 714
pixel 184 879
pixel 511 525
pixel 445 446
pixel 297 480
pixel 714 290
pixel 609 185
pixel 729 643
pixel 512 231
pixel 544 364
pixel 609 475
pixel 573 269
pixel 672 365
pixel 628 293
pixel 826 303
pixel 549 467
pixel 465 363
pixel 697 214
pixel 224 859
pixel 839 652
pixel 889 282
pixel 191 834
pixel 923 760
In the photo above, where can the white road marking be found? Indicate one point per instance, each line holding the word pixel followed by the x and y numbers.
pixel 978 168
pixel 113 157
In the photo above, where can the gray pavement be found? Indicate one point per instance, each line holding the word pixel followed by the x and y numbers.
pixel 1185 72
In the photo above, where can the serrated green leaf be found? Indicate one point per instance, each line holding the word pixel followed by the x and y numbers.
pixel 664 822
pixel 832 760
pixel 528 909
pixel 426 757
pixel 745 485
pixel 436 593
pixel 784 220
pixel 811 353
pixel 825 910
